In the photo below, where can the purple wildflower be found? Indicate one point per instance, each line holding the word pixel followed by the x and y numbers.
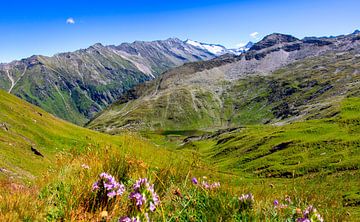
pixel 95 186
pixel 152 207
pixel 205 185
pixel 109 185
pixel 155 198
pixel 128 219
pixel 144 195
pixel 111 194
pixel 104 175
pixel 141 181
pixel 121 190
pixel 150 188
pixel 309 210
pixel 310 214
pixel 125 219
pixel 139 199
pixel 276 202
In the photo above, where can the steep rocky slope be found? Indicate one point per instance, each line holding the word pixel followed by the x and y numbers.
pixel 76 85
pixel 280 79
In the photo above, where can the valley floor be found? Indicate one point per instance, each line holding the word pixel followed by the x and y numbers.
pixel 256 173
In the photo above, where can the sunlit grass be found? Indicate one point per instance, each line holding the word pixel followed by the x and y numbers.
pixel 67 194
pixel 59 187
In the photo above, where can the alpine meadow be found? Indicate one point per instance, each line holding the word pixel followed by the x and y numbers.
pixel 180 129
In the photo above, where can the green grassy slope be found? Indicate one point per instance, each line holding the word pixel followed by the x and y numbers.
pixel 307 89
pixel 328 145
pixel 24 126
pixel 62 187
pixel 322 155
pixel 184 108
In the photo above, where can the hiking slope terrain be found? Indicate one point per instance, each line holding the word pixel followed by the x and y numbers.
pixel 33 142
pixel 280 79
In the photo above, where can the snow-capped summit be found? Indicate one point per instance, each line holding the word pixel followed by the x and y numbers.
pixel 217 49
pixel 242 49
pixel 212 48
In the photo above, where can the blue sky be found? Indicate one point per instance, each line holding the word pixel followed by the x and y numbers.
pixel 41 27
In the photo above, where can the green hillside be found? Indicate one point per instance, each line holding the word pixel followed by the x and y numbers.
pixel 308 89
pixel 24 126
pixel 329 145
pixel 312 158
pixel 59 186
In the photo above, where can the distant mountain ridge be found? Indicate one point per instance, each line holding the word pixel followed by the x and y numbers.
pixel 76 85
pixel 279 79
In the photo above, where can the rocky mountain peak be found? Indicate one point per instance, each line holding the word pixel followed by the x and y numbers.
pixel 273 39
pixel 279 38
pixel 173 40
pixel 98 45
pixel 357 31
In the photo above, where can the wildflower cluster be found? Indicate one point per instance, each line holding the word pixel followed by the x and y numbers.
pixel 144 199
pixel 108 186
pixel 205 184
pixel 144 195
pixel 294 213
pixel 310 214
pixel 246 201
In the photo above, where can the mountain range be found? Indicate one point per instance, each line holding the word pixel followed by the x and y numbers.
pixel 76 85
pixel 280 79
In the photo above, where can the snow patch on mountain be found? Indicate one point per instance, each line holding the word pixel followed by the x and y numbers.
pixel 212 48
pixel 242 49
pixel 217 49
